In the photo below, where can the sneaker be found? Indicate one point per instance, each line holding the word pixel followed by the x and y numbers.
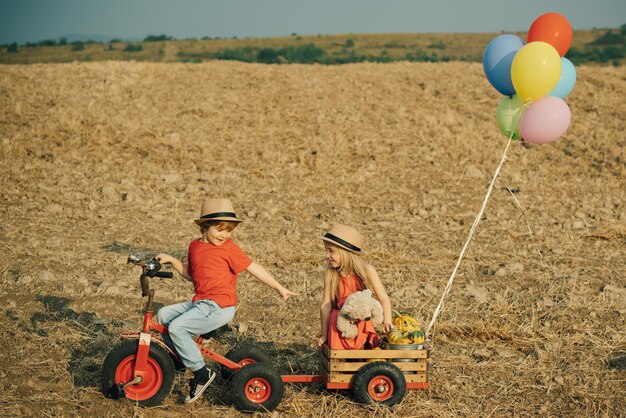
pixel 197 389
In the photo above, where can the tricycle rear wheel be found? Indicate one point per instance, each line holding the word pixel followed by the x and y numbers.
pixel 257 387
pixel 244 355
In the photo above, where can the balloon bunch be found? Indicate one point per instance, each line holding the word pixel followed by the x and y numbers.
pixel 535 77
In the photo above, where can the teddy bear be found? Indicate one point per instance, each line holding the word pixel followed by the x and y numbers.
pixel 359 306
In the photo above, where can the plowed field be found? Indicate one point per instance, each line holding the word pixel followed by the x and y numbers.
pixel 102 159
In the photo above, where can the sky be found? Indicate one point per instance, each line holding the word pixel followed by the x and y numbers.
pixel 24 21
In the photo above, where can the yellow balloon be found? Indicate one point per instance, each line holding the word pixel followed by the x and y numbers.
pixel 536 70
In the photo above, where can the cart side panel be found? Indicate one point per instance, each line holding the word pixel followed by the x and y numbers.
pixel 353 366
pixel 340 366
pixel 375 354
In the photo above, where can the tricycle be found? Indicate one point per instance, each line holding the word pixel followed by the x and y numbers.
pixel 142 366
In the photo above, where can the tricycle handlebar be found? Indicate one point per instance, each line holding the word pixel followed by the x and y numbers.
pixel 162 274
pixel 150 268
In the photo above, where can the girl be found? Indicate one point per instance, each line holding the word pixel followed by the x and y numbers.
pixel 347 273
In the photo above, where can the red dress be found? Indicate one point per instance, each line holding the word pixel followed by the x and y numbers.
pixel 366 332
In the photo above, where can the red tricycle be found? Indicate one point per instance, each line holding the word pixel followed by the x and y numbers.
pixel 142 367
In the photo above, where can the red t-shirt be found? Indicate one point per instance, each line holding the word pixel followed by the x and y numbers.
pixel 214 269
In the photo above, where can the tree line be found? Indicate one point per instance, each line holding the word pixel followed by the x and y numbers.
pixel 610 47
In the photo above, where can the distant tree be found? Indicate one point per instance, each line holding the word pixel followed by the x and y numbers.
pixel 612 52
pixel 245 54
pixel 159 38
pixel 12 47
pixel 609 38
pixel 305 54
pixel 310 53
pixel 115 40
pixel 133 48
pixel 267 56
pixel 349 43
pixel 63 41
pixel 622 29
pixel 421 56
pixel 47 42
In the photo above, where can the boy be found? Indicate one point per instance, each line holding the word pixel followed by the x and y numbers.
pixel 214 260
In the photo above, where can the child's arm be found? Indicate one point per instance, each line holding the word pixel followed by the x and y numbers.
pixel 178 265
pixel 381 294
pixel 327 306
pixel 260 273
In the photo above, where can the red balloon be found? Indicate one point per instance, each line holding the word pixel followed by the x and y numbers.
pixel 554 29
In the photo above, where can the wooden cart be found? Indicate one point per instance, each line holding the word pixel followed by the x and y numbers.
pixel 375 376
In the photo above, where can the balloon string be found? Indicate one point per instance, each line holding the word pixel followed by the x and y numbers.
pixel 469 237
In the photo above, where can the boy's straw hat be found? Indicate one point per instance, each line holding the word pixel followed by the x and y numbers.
pixel 345 237
pixel 217 210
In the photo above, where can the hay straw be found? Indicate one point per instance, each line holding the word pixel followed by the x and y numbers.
pixel 102 154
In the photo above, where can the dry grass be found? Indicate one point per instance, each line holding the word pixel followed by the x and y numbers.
pixel 102 158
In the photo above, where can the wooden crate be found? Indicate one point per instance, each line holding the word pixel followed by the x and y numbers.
pixel 339 366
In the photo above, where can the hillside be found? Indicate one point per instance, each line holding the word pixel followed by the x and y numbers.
pixel 324 49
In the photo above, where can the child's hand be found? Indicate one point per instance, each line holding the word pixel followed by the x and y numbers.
pixel 320 341
pixel 164 258
pixel 286 293
pixel 387 326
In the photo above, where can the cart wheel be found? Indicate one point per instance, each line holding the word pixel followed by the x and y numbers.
pixel 257 387
pixel 244 355
pixel 379 382
pixel 118 368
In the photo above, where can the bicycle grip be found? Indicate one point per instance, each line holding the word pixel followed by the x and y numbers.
pixel 164 274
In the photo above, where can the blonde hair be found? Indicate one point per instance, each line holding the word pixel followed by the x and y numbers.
pixel 351 263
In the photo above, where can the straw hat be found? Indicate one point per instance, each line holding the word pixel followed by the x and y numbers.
pixel 345 237
pixel 217 210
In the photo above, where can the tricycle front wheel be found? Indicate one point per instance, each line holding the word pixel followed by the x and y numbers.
pixel 119 367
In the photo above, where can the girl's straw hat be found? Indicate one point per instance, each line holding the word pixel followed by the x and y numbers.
pixel 217 210
pixel 345 237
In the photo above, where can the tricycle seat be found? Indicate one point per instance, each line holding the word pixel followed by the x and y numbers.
pixel 216 332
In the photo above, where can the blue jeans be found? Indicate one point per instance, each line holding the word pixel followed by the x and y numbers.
pixel 187 319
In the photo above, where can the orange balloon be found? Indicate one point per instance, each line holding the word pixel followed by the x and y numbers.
pixel 554 29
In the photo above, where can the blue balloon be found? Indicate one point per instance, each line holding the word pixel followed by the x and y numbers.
pixel 567 81
pixel 497 61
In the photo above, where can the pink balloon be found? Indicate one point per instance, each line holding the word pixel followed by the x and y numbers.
pixel 545 121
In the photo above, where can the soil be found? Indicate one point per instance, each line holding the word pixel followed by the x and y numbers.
pixel 103 159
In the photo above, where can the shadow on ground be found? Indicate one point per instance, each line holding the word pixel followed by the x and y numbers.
pixel 88 353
